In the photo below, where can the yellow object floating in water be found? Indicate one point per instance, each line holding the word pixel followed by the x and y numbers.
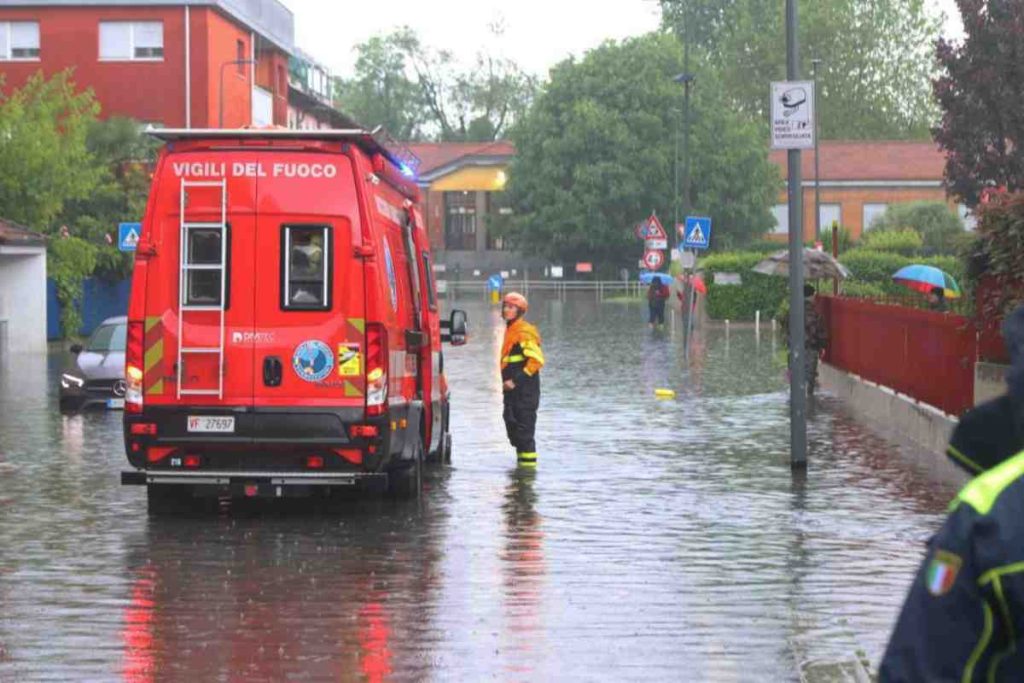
pixel 664 393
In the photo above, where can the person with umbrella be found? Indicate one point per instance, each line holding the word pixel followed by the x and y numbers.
pixel 815 337
pixel 657 295
pixel 938 285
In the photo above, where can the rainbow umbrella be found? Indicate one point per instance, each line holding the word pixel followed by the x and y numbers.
pixel 921 278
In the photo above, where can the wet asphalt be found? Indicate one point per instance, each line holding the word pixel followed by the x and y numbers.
pixel 658 539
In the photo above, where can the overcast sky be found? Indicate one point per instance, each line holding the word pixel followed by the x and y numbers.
pixel 537 33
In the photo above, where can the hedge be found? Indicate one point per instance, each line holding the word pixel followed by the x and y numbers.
pixel 871 277
pixel 878 267
pixel 740 302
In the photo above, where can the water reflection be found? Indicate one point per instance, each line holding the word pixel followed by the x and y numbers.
pixel 663 540
pixel 264 595
pixel 523 572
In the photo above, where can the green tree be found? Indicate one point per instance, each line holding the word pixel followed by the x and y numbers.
pixel 596 153
pixel 123 156
pixel 416 91
pixel 981 93
pixel 44 160
pixel 382 92
pixel 877 59
pixel 940 228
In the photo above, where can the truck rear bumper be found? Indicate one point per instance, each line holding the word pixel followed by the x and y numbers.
pixel 230 478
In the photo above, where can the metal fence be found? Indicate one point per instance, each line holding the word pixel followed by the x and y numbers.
pixel 926 355
pixel 562 289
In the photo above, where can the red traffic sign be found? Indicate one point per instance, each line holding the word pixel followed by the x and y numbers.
pixel 654 259
pixel 655 230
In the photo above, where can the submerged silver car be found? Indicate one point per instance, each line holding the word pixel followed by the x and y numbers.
pixel 96 378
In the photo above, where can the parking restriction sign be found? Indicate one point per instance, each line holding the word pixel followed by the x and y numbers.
pixel 653 259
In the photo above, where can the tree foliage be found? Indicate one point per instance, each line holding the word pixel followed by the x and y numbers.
pixel 382 92
pixel 940 228
pixel 873 82
pixel 123 156
pixel 417 91
pixel 69 260
pixel 44 160
pixel 596 153
pixel 981 94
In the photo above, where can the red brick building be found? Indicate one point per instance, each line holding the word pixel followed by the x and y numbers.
pixel 860 179
pixel 194 63
pixel 463 184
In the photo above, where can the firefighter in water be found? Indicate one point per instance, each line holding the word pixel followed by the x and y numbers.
pixel 521 361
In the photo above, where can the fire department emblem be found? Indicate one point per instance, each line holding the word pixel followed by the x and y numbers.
pixel 313 360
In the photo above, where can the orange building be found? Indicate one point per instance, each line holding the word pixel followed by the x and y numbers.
pixel 178 64
pixel 860 179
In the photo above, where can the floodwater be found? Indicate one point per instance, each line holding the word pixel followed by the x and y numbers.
pixel 658 540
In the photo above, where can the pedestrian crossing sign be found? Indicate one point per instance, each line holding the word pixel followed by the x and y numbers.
pixel 128 236
pixel 697 232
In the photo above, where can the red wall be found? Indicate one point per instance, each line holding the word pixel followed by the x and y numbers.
pixel 150 91
pixel 69 37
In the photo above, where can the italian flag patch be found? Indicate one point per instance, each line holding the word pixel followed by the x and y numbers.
pixel 942 571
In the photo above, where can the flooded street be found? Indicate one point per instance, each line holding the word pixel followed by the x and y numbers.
pixel 658 540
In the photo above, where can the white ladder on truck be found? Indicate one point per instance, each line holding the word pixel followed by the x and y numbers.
pixel 184 308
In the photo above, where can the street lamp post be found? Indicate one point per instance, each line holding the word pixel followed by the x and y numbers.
pixel 797 350
pixel 817 135
pixel 236 62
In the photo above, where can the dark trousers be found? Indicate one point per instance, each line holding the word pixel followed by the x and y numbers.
pixel 657 310
pixel 520 413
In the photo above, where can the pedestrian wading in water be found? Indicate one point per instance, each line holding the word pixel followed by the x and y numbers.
pixel 521 361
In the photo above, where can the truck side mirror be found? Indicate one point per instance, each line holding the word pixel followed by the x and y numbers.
pixel 455 328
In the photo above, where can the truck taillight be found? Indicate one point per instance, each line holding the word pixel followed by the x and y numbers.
pixel 133 360
pixel 376 369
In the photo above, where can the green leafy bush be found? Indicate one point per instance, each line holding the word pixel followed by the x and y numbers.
pixel 765 246
pixel 876 268
pixel 904 241
pixel 939 226
pixel 69 261
pixel 844 237
pixel 997 253
pixel 740 302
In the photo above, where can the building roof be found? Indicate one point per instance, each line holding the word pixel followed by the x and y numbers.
pixel 870 160
pixel 440 158
pixel 14 235
pixel 269 18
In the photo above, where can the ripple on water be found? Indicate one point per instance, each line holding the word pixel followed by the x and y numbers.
pixel 664 540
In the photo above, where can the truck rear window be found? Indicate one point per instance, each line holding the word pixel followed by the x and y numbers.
pixel 306 267
pixel 203 267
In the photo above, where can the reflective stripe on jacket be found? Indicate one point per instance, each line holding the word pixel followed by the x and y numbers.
pixel 522 346
pixel 964 613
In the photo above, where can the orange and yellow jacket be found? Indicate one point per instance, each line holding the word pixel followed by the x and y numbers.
pixel 521 352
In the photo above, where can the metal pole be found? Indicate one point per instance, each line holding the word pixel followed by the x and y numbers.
pixel 817 134
pixel 798 379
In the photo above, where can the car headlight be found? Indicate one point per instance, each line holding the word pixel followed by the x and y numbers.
pixel 67 381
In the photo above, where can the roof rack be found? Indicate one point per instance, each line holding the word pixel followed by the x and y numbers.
pixel 376 141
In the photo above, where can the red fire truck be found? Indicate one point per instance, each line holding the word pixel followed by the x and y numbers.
pixel 284 336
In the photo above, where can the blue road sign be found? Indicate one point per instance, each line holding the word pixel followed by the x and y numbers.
pixel 697 233
pixel 128 236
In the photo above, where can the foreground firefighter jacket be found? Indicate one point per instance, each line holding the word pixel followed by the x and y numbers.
pixel 521 361
pixel 964 614
pixel 520 352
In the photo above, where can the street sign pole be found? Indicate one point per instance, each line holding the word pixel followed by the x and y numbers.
pixel 797 363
